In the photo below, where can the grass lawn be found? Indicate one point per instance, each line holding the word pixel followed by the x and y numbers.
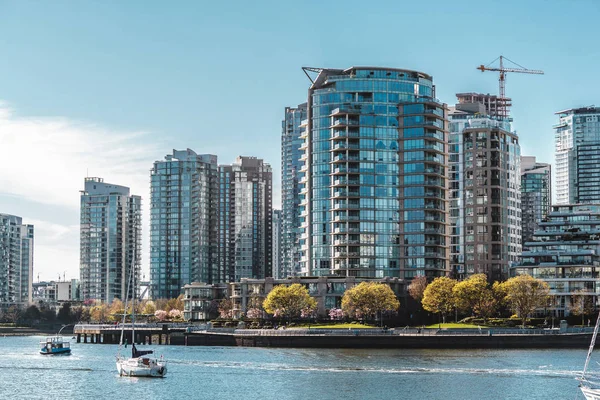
pixel 335 326
pixel 451 325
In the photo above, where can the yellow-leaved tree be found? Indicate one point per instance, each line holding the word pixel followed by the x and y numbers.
pixel 474 295
pixel 289 301
pixel 438 297
pixel 368 300
pixel 524 294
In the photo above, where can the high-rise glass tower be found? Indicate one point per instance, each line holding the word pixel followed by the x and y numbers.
pixel 278 271
pixel 16 261
pixel 374 188
pixel 183 224
pixel 110 240
pixel 245 219
pixel 577 154
pixel 485 202
pixel 536 195
pixel 291 162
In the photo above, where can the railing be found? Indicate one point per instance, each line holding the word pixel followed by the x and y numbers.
pixel 140 326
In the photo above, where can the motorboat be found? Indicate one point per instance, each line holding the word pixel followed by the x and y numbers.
pixel 54 345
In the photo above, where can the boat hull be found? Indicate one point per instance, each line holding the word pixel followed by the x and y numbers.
pixel 55 352
pixel 140 367
pixel 590 393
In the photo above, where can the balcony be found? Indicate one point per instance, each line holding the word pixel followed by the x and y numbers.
pixel 344 111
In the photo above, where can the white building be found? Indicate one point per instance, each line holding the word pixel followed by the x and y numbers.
pixel 110 241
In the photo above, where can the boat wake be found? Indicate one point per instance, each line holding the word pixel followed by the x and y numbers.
pixel 542 372
pixel 46 368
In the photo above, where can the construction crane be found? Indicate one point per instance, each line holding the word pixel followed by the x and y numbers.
pixel 503 100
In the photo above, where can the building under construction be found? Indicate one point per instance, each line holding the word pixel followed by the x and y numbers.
pixel 495 106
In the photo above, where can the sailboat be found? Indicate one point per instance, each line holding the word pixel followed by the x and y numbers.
pixel 589 388
pixel 138 365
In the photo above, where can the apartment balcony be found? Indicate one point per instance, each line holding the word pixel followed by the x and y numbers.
pixel 344 122
pixel 344 111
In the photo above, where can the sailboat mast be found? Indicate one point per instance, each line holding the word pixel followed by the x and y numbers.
pixel 133 296
pixel 591 349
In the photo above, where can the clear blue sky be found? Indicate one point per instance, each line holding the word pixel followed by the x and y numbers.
pixel 109 86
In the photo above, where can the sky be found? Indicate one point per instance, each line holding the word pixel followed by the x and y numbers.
pixel 105 88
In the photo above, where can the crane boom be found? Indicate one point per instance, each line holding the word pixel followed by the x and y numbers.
pixel 504 102
pixel 520 70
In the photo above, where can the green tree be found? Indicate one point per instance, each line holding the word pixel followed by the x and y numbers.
pixel 417 287
pixel 582 303
pixel 524 294
pixel 289 301
pixel 64 313
pixel 438 297
pixel 474 295
pixel 32 315
pixel 369 299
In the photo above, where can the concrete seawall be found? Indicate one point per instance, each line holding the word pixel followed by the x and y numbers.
pixel 389 340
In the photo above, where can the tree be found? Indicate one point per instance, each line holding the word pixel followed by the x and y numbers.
pixel 176 315
pixel 64 313
pixel 582 304
pixel 524 294
pixel 99 312
pixel 161 315
pixel 474 295
pixel 438 297
pixel 417 288
pixel 369 299
pixel 253 313
pixel 336 314
pixel 175 304
pixel 149 308
pixel 289 301
pixel 116 310
pixel 160 304
pixel 225 309
pixel 32 315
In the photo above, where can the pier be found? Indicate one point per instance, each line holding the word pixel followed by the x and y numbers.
pixel 144 333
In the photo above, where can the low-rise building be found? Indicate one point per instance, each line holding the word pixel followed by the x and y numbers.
pixel 326 290
pixel 56 292
pixel 200 300
pixel 565 253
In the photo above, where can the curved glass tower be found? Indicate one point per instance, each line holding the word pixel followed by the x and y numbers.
pixel 373 198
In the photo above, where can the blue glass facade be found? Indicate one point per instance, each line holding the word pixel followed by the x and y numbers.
pixel 291 163
pixel 373 189
pixel 183 225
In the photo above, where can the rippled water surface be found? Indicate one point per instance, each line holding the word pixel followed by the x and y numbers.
pixel 258 373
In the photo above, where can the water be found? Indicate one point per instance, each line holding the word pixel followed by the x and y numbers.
pixel 260 373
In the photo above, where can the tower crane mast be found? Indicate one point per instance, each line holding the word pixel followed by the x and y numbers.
pixel 503 109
